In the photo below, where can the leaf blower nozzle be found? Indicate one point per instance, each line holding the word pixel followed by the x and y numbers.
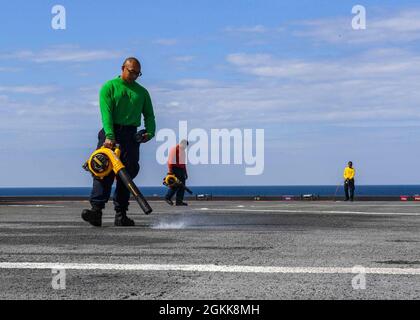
pixel 103 161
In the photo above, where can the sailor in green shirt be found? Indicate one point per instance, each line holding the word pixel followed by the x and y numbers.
pixel 122 103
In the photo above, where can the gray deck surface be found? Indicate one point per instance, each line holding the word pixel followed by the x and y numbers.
pixel 384 235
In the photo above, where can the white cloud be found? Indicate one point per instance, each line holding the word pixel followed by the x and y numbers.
pixel 256 35
pixel 173 104
pixel 42 109
pixel 247 29
pixel 374 64
pixel 183 58
pixel 241 59
pixel 195 83
pixel 377 86
pixel 403 26
pixel 93 89
pixel 63 53
pixel 29 89
pixel 10 69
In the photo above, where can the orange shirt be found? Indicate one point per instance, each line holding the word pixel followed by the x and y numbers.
pixel 176 158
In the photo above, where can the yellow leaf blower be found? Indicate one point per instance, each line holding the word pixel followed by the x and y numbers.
pixel 171 181
pixel 103 161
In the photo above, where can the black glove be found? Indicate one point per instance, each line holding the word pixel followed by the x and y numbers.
pixel 142 136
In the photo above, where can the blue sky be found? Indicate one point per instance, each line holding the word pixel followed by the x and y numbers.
pixel 323 92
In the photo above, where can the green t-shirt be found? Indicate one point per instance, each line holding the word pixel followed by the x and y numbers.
pixel 123 103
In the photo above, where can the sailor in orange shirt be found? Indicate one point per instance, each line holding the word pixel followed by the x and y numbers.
pixel 349 174
pixel 177 166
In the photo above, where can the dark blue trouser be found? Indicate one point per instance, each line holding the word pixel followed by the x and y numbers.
pixel 349 186
pixel 101 191
pixel 180 173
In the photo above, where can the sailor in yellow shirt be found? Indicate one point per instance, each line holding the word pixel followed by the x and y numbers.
pixel 349 174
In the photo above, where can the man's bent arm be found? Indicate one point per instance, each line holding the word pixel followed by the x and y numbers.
pixel 106 106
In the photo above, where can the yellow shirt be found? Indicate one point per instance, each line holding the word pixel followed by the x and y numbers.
pixel 349 173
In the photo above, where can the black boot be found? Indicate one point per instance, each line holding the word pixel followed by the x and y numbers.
pixel 169 201
pixel 93 216
pixel 121 220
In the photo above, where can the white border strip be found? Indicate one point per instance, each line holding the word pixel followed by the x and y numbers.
pixel 206 268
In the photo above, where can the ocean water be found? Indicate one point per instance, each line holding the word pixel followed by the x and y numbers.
pixel 388 190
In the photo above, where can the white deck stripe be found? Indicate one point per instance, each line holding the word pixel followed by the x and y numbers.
pixel 312 211
pixel 344 205
pixel 205 268
pixel 34 206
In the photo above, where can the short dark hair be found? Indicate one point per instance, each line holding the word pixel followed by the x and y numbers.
pixel 131 59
